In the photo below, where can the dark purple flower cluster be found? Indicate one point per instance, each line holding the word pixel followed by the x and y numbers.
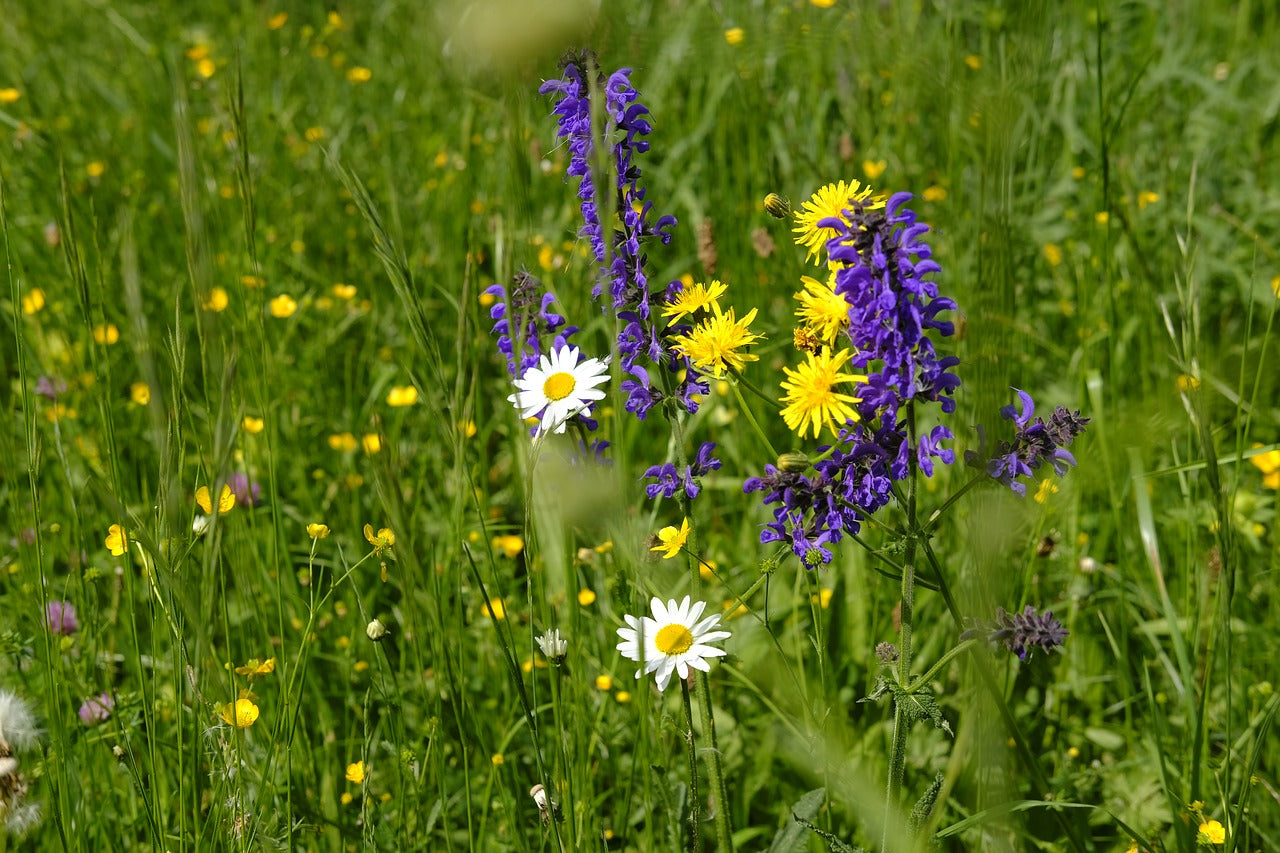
pixel 1022 632
pixel 1034 443
pixel 668 480
pixel 522 321
pixel 622 259
pixel 884 260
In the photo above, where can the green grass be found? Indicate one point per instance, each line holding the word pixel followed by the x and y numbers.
pixel 1102 205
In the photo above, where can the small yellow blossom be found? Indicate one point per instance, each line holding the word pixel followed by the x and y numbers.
pixel 316 530
pixel 402 395
pixel 96 169
pixel 346 798
pixel 604 682
pixel 282 306
pixel 586 597
pixel 672 540
pixel 140 393
pixel 106 334
pixel 356 772
pixel 734 35
pixel 497 760
pixel 255 668
pixel 1213 832
pixel 509 545
pixel 829 202
pixel 496 609
pixel 811 399
pixel 343 442
pixel 1102 217
pixel 277 20
pixel 622 696
pixel 1269 464
pixel 822 597
pixel 217 300
pixel 1047 487
pixel 469 429
pixel 254 281
pixel 252 425
pixel 874 168
pixel 973 61
pixel 1187 382
pixel 1077 172
pixel 9 95
pixel 823 4
pixel 934 192
pixel 32 301
pixel 360 665
pixel 1147 197
pixel 344 291
pixel 359 74
pixel 226 499
pixel 371 443
pixel 1052 253
pixel 313 134
pixel 384 539
pixel 241 713
pixel 206 68
pixel 117 540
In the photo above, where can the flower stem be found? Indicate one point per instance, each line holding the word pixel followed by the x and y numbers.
pixel 695 804
pixel 746 410
pixel 901 722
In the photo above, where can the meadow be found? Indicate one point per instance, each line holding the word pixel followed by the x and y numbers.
pixel 283 567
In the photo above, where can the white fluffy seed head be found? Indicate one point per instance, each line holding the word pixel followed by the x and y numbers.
pixel 17 724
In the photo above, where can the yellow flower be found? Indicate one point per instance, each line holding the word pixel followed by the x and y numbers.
pixel 1269 464
pixel 822 598
pixel 226 500
pixel 1147 197
pixel 1102 217
pixel 217 300
pixel 384 539
pixel 672 540
pixel 827 203
pixel 359 74
pixel 496 609
pixel 1213 832
pixel 402 395
pixel 282 306
pixel 253 425
pixel 604 682
pixel 1052 254
pixel 934 193
pixel 277 20
pixel 206 67
pixel 510 545
pixel 691 300
pixel 241 713
pixel 810 396
pixel 1186 382
pixel 823 4
pixel 734 35
pixel 873 168
pixel 32 301
pixel 140 393
pixel 973 61
pixel 344 442
pixel 106 334
pixel 253 281
pixel 1047 487
pixel 497 760
pixel 344 291
pixel 316 530
pixel 822 311
pixel 255 668
pixel 715 343
pixel 117 540
pixel 371 443
pixel 586 597
pixel 623 697
pixel 346 798
pixel 356 772
pixel 9 95
pixel 96 169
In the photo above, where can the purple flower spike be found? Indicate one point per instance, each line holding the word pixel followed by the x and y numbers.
pixel 1021 633
pixel 1035 442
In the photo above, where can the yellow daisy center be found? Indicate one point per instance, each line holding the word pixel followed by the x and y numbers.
pixel 558 386
pixel 673 639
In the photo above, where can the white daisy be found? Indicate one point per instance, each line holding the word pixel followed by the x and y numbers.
pixel 559 387
pixel 672 641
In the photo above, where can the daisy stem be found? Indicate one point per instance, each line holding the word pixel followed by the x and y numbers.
pixel 901 722
pixel 695 811
pixel 746 410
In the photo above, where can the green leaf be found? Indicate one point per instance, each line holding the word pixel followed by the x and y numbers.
pixel 792 837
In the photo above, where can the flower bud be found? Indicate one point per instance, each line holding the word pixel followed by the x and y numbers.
pixel 793 463
pixel 376 631
pixel 777 206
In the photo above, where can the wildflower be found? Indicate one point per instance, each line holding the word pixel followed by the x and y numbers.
pixel 96 709
pixel 829 202
pixel 359 74
pixel 553 646
pixel 716 343
pixel 372 443
pixel 559 388
pixel 822 311
pixel 668 481
pixel 344 291
pixel 140 393
pixel 252 425
pixel 495 609
pixel 17 724
pixel 247 494
pixel 1034 443
pixel 523 320
pixel 317 531
pixel 117 542
pixel 1269 464
pixel 497 760
pixel 60 618
pixel 241 713
pixel 9 95
pixel 402 395
pixel 33 301
pixel 1145 198
pixel 381 542
pixel 1021 632
pixel 226 499
pixel 1047 487
pixel 106 334
pixel 934 193
pixel 277 20
pixel 691 300
pixel 672 540
pixel 17 733
pixel 777 206
pixel 282 306
pixel 356 772
pixel 343 442
pixel 673 641
pixel 734 35
pixel 510 545
pixel 604 682
pixel 50 388
pixel 810 397
pixel 873 169
pixel 255 668
pixel 586 597
pixel 1212 832
pixel 376 631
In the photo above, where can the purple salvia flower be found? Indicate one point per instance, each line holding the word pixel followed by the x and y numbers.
pixel 1021 633
pixel 524 322
pixel 668 480
pixel 1034 443
pixel 60 618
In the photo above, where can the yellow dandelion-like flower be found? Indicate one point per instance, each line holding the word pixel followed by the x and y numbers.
pixel 371 443
pixel 1052 253
pixel 381 541
pixel 402 395
pixel 343 442
pixel 344 291
pixel 217 301
pixel 140 393
pixel 241 713
pixel 586 597
pixel 253 425
pixel 509 545
pixel 96 169
pixel 282 306
pixel 495 609
pixel 1047 487
pixel 226 500
pixel 106 334
pixel 873 169
pixel 254 281
pixel 9 95
pixel 277 20
pixel 672 539
pixel 973 61
pixel 811 399
pixel 717 343
pixel 823 311
pixel 33 301
pixel 1147 197
pixel 356 772
pixel 604 682
pixel 117 541
pixel 317 530
pixel 497 760
pixel 734 35
pixel 934 193
pixel 691 300
pixel 255 668
pixel 359 74
pixel 827 203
